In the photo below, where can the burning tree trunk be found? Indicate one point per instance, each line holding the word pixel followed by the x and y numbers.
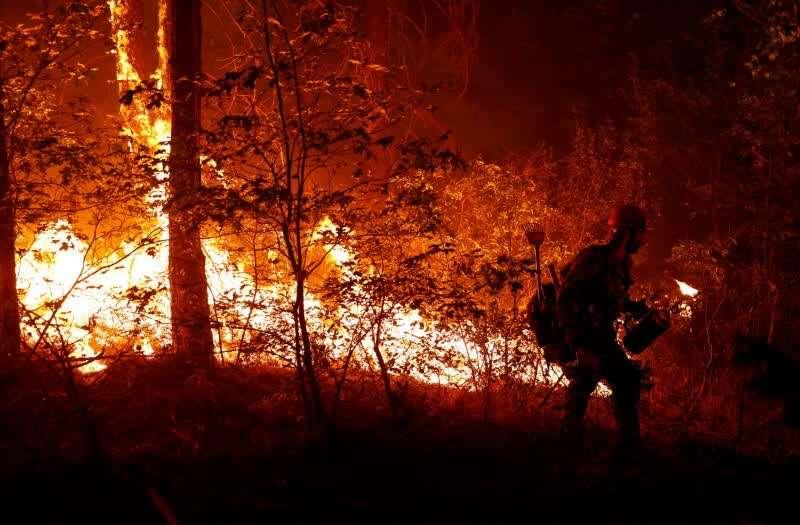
pixel 9 307
pixel 191 330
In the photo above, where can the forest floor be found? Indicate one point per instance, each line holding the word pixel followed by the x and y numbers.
pixel 233 449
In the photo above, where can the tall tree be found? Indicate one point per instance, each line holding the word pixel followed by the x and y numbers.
pixel 191 330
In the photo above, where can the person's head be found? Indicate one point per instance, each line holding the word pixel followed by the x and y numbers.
pixel 627 224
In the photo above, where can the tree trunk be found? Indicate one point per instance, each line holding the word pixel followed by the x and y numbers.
pixel 489 382
pixel 9 307
pixel 385 377
pixel 191 330
pixel 310 373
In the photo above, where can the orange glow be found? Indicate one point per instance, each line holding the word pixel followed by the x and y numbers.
pixel 338 253
pixel 59 280
pixel 150 127
pixel 58 276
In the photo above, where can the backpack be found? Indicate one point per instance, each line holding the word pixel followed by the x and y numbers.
pixel 542 320
pixel 541 315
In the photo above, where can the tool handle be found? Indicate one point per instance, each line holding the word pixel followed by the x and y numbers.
pixel 538 272
pixel 551 269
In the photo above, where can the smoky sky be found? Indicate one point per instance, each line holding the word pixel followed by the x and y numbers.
pixel 539 64
pixel 542 62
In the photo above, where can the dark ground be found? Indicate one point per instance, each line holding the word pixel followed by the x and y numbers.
pixel 432 467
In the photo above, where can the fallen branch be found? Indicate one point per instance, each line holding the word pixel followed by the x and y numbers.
pixel 162 506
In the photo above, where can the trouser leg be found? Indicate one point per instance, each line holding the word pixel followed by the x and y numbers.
pixel 582 382
pixel 624 380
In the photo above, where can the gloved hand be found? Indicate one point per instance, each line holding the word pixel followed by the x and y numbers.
pixel 637 309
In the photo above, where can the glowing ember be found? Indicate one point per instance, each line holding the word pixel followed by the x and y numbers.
pixel 687 290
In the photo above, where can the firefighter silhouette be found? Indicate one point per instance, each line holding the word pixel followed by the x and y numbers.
pixel 593 294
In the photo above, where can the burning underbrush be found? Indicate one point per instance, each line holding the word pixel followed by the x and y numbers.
pixel 104 309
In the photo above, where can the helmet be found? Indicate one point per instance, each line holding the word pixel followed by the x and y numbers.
pixel 627 217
